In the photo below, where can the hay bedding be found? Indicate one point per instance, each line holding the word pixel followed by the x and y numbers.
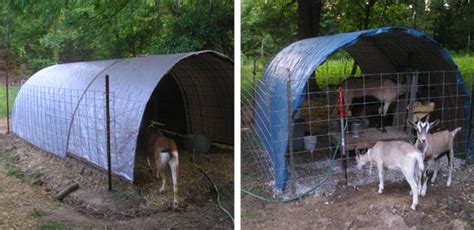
pixel 128 201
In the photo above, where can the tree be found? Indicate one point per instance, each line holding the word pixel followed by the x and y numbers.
pixel 48 32
pixel 309 18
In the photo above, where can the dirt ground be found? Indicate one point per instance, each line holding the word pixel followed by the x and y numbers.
pixel 356 207
pixel 29 178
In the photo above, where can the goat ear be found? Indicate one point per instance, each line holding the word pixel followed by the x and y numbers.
pixel 357 152
pixel 434 123
pixel 411 123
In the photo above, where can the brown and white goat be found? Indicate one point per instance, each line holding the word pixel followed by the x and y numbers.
pixel 385 90
pixel 396 155
pixel 434 146
pixel 165 153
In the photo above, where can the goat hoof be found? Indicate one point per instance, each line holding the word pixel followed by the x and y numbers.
pixel 380 191
pixel 413 207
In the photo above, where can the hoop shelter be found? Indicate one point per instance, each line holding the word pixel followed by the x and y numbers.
pixel 382 50
pixel 61 108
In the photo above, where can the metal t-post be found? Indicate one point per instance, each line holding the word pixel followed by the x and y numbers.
pixel 290 136
pixel 107 123
pixel 469 126
pixel 344 156
pixel 7 97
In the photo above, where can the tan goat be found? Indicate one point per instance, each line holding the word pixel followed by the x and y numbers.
pixel 434 146
pixel 165 153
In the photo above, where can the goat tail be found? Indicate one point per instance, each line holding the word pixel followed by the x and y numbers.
pixel 455 131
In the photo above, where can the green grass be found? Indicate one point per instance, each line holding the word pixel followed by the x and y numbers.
pixel 51 225
pixel 13 91
pixel 465 65
pixel 12 169
pixel 337 68
pixel 256 190
pixel 37 213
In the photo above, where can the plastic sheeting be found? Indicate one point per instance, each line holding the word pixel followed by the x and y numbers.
pixel 60 109
pixel 382 50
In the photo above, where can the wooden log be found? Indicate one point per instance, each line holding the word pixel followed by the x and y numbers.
pixel 63 193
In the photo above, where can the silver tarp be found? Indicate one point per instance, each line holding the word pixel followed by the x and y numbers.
pixel 60 109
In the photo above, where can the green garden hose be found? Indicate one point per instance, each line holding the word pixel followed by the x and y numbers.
pixel 289 199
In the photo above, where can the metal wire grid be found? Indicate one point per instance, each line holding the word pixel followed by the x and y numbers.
pixel 319 118
pixel 252 152
pixel 61 110
pixel 207 89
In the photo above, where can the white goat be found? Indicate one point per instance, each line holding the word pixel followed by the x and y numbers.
pixel 396 155
pixel 434 146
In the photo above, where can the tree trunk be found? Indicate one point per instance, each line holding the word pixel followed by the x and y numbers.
pixel 309 18
pixel 368 8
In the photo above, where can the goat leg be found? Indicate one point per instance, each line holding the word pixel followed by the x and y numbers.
pixel 382 125
pixel 414 190
pixel 425 181
pixel 386 105
pixel 435 171
pixel 381 174
pixel 451 166
pixel 163 180
pixel 174 166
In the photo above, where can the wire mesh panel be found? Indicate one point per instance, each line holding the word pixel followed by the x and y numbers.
pixel 46 119
pixel 256 162
pixel 72 122
pixel 337 118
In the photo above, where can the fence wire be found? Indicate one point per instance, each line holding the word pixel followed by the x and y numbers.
pixel 72 122
pixel 316 125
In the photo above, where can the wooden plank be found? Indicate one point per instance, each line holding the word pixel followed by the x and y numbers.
pixel 370 137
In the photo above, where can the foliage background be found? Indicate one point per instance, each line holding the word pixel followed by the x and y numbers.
pixel 268 26
pixel 36 34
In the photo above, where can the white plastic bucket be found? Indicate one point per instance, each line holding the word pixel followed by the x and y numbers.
pixel 309 142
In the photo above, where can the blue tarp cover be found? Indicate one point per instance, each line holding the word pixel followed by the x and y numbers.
pixel 382 50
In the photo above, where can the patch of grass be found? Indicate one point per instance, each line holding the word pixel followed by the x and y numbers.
pixel 12 159
pixel 256 190
pixel 465 65
pixel 51 225
pixel 12 93
pixel 37 213
pixel 119 196
pixel 35 175
pixel 11 169
pixel 338 67
pixel 16 173
pixel 247 178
